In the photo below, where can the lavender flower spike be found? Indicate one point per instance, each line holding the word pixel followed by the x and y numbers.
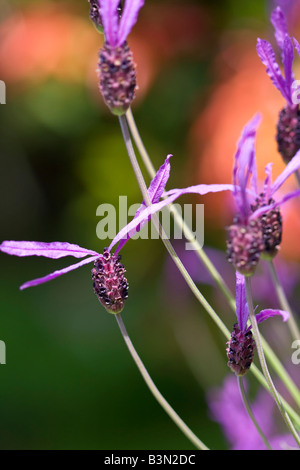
pixel 257 227
pixel 116 67
pixel 109 282
pixel 241 346
pixel 288 127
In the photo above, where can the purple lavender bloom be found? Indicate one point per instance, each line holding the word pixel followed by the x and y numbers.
pixel 288 127
pixel 228 410
pixel 241 346
pixel 257 226
pixel 117 71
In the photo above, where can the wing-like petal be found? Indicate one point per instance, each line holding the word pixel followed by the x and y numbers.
pixel 267 56
pixel 60 272
pixel 242 311
pixel 110 20
pixel 279 22
pixel 245 165
pixel 49 250
pixel 287 60
pixel 268 313
pixel 291 167
pixel 128 19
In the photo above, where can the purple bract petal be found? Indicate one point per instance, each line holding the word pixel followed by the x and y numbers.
pixel 60 272
pixel 128 19
pixel 242 311
pixel 245 165
pixel 297 45
pixel 270 207
pixel 49 250
pixel 268 181
pixel 158 184
pixel 287 60
pixel 267 313
pixel 110 20
pixel 267 56
pixel 279 22
pixel 291 167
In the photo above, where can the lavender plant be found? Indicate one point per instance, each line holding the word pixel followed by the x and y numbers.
pixel 288 126
pixel 255 233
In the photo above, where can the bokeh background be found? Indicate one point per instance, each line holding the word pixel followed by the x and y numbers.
pixel 69 382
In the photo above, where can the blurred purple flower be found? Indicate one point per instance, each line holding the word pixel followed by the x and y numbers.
pixel 228 410
pixel 288 127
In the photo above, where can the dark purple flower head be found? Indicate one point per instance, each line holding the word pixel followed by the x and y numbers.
pixel 117 72
pixel 288 127
pixel 241 346
pixel 257 226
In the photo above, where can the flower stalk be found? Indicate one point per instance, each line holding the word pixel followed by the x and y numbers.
pixel 283 301
pixel 250 413
pixel 154 390
pixel 263 363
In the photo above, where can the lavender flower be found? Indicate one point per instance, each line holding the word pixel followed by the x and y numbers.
pixel 241 346
pixel 116 67
pixel 288 127
pixel 228 410
pixel 109 282
pixel 257 227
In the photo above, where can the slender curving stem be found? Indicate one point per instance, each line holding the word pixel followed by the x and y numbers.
pixel 250 413
pixel 154 390
pixel 263 363
pixel 284 301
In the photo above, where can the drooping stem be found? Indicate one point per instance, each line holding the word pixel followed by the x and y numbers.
pixel 276 364
pixel 250 413
pixel 154 390
pixel 284 301
pixel 263 363
pixel 189 280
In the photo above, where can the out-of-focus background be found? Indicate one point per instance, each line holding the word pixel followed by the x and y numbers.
pixel 69 382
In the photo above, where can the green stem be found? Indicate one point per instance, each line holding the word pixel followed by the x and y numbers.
pixel 263 363
pixel 154 390
pixel 176 259
pixel 177 216
pixel 275 362
pixel 283 301
pixel 250 413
